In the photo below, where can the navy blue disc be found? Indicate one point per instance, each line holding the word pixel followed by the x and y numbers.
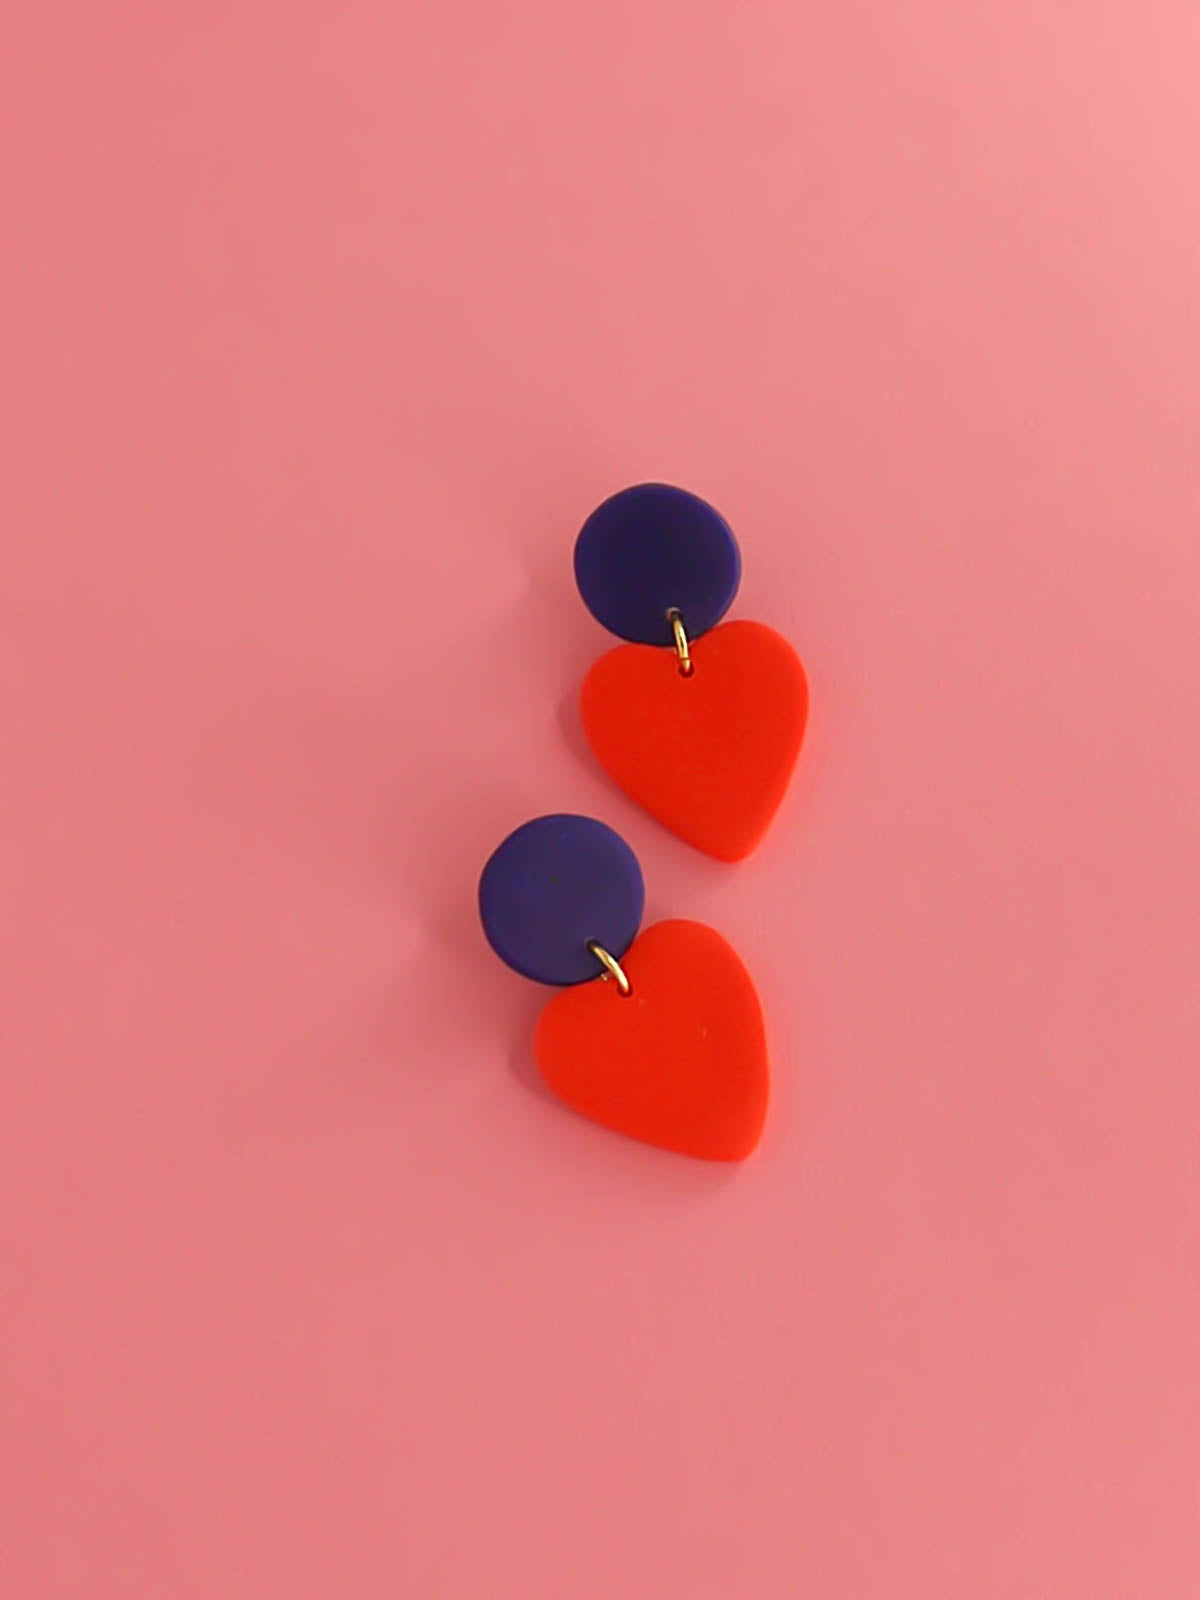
pixel 652 549
pixel 550 887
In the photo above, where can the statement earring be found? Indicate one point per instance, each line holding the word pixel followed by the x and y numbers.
pixel 700 724
pixel 659 1034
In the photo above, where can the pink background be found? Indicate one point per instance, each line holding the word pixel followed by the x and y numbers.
pixel 324 327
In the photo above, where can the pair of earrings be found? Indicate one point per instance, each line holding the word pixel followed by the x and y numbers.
pixel 658 1035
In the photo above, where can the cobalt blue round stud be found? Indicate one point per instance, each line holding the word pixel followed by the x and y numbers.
pixel 554 884
pixel 650 550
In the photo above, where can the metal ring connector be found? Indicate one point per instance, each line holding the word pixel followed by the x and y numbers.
pixel 682 649
pixel 612 967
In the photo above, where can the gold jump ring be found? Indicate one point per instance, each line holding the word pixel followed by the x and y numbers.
pixel 682 649
pixel 612 966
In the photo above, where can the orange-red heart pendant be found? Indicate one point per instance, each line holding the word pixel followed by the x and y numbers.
pixel 711 754
pixel 680 1062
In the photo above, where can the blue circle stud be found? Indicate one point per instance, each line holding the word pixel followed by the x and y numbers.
pixel 554 884
pixel 653 549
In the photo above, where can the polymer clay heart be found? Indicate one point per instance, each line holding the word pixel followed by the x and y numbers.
pixel 709 755
pixel 681 1062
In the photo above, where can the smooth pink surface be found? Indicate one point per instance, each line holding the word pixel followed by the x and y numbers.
pixel 323 328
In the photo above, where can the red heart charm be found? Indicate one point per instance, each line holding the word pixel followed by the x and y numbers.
pixel 709 755
pixel 679 1062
